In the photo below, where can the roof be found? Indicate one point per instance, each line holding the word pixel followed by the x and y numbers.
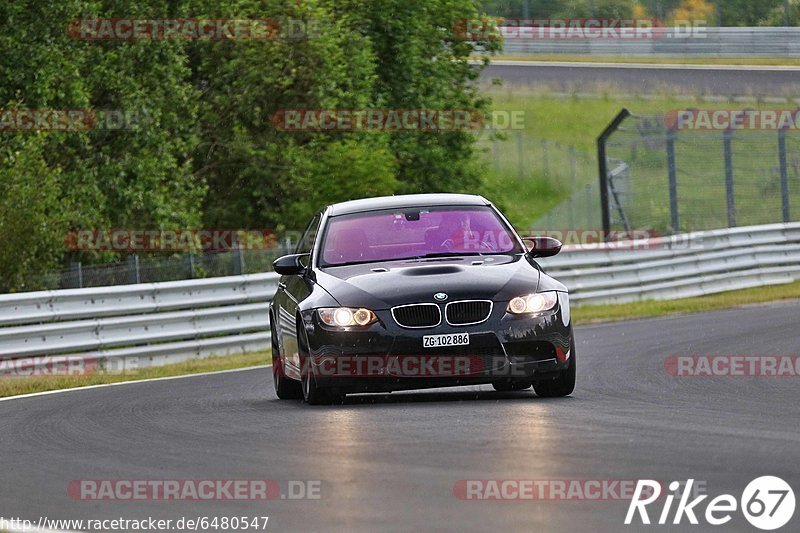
pixel 405 201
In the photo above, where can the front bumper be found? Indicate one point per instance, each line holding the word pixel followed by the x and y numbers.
pixel 386 356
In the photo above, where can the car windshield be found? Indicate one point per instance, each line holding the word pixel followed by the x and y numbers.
pixel 415 233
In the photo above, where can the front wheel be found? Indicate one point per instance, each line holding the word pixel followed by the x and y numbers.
pixel 285 388
pixel 314 395
pixel 311 392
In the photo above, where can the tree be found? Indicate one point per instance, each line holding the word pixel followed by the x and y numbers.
pixel 746 12
pixel 260 176
pixel 780 15
pixel 597 9
pixel 202 148
pixel 516 9
pixel 32 220
pixel 138 176
pixel 692 10
pixel 421 63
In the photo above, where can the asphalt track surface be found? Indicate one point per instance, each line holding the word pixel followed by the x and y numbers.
pixel 649 79
pixel 389 462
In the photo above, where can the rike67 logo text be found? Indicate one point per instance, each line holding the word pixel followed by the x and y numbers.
pixel 767 503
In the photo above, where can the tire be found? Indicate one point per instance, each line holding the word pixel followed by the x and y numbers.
pixel 314 395
pixel 511 385
pixel 563 385
pixel 285 388
pixel 310 392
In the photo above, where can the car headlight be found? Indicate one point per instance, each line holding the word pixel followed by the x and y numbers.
pixel 533 303
pixel 342 317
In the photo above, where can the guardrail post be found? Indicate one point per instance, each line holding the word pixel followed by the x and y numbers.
pixel 784 175
pixel 729 178
pixel 673 181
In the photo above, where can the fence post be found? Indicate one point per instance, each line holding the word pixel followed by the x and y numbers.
pixel 238 257
pixel 545 159
pixel 190 261
pixel 603 169
pixel 784 175
pixel 573 172
pixel 77 274
pixel 729 178
pixel 673 181
pixel 134 275
pixel 589 221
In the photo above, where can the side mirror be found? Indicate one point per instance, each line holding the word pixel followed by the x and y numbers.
pixel 289 265
pixel 543 246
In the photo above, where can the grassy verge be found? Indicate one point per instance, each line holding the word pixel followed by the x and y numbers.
pixel 654 60
pixel 25 385
pixel 577 121
pixel 651 308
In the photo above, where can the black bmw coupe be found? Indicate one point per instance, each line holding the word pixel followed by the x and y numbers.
pixel 418 291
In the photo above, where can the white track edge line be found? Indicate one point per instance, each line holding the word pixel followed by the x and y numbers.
pixel 150 380
pixel 651 66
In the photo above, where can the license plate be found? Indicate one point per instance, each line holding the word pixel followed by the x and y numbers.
pixel 441 341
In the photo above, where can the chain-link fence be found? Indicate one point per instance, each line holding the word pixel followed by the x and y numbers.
pixel 136 269
pixel 527 164
pixel 667 176
pixel 690 176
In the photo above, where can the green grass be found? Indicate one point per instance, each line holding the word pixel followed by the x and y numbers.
pixel 578 121
pixel 655 60
pixel 28 385
pixel 651 308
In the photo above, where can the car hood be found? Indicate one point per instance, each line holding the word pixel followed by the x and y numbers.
pixel 384 285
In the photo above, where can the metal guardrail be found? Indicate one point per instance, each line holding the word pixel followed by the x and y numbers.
pixel 158 323
pixel 711 41
pixel 680 266
pixel 162 323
